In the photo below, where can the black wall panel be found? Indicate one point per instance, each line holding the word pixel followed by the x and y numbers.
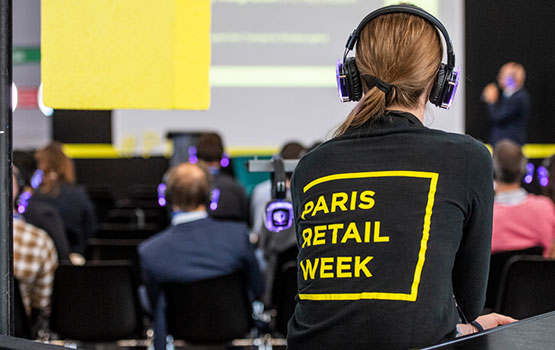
pixel 121 174
pixel 78 126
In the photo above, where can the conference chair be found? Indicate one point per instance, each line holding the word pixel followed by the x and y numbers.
pixel 103 199
pixel 527 287
pixel 126 231
pixel 22 324
pixel 284 295
pixel 209 312
pixel 96 302
pixel 143 192
pixel 497 264
pixel 138 217
pixel 115 249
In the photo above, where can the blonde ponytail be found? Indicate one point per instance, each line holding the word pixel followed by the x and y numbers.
pixel 373 103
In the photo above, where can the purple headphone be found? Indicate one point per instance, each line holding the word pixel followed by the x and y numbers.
pixel 279 212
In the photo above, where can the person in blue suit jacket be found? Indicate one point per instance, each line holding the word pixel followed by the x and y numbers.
pixel 508 111
pixel 195 246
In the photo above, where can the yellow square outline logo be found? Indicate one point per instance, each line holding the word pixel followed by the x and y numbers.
pixel 423 243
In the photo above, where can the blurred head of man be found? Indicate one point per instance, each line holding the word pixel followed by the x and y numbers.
pixel 188 187
pixel 511 76
pixel 509 164
pixel 210 149
pixel 291 150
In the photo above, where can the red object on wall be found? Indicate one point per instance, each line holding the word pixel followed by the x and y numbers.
pixel 27 97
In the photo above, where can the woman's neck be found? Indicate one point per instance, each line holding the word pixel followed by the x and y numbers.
pixel 417 111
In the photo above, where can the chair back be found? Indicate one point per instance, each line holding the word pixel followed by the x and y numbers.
pixel 527 287
pixel 286 292
pixel 96 302
pixel 127 231
pixel 210 311
pixel 115 249
pixel 22 324
pixel 496 266
pixel 103 199
pixel 138 217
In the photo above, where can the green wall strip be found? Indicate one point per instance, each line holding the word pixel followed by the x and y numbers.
pixel 23 55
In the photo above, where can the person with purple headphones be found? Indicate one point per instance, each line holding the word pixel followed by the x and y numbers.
pixel 393 219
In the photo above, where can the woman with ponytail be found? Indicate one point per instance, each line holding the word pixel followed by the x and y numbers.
pixel 393 218
pixel 58 189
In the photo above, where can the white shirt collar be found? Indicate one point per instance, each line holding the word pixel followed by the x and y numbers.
pixel 184 217
pixel 511 197
pixel 508 92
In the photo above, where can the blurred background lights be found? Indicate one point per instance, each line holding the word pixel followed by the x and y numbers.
pixel 225 161
pixel 193 154
pixel 529 173
pixel 162 195
pixel 543 176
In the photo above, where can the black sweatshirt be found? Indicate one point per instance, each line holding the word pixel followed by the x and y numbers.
pixel 393 219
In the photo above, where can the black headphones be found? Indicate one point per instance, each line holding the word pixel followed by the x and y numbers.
pixel 348 78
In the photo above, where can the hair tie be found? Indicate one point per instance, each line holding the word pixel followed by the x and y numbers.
pixel 377 82
pixel 477 325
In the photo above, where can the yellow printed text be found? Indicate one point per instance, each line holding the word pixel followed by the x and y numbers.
pixel 336 267
pixel 368 232
pixel 340 201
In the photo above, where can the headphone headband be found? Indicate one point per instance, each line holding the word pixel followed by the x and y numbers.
pixel 278 178
pixel 413 10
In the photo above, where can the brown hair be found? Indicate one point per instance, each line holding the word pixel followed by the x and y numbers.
pixel 509 163
pixel 291 150
pixel 56 167
pixel 402 50
pixel 188 185
pixel 210 147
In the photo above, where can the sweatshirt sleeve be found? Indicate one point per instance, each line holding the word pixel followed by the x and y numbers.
pixel 471 268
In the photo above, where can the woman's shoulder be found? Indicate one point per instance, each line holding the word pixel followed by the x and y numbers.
pixel 74 192
pixel 463 143
pixel 461 139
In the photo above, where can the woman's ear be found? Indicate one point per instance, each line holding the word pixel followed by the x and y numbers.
pixel 53 176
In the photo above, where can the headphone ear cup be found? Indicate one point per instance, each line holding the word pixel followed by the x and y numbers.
pixel 439 85
pixel 353 79
pixel 279 215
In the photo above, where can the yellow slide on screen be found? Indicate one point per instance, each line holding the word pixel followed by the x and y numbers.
pixel 126 54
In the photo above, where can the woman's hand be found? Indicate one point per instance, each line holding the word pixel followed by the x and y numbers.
pixel 486 321
pixel 490 94
pixel 493 320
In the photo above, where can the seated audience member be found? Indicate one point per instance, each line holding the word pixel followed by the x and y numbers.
pixel 227 199
pixel 357 283
pixel 520 220
pixel 195 246
pixel 59 190
pixel 37 213
pixel 549 189
pixel 34 264
pixel 276 248
pixel 262 193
